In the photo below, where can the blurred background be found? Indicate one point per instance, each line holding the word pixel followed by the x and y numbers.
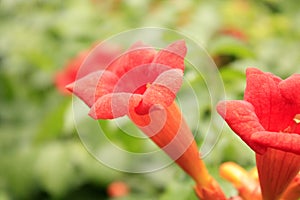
pixel 41 155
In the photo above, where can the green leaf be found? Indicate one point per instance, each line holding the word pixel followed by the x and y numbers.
pixel 51 126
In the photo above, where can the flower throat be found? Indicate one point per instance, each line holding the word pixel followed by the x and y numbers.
pixel 292 128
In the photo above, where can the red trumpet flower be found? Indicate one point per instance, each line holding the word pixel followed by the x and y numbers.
pixel 142 84
pixel 268 121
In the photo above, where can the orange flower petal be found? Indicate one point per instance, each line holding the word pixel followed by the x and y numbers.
pixel 93 86
pixel 241 118
pixel 289 87
pixel 172 56
pixel 289 142
pixel 137 55
pixel 114 105
pixel 162 91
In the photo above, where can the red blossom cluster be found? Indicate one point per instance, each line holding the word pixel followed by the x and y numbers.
pixel 142 83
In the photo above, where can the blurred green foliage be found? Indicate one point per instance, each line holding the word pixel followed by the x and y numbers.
pixel 41 156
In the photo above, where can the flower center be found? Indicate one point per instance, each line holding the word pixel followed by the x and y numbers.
pixel 292 128
pixel 297 119
pixel 142 89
